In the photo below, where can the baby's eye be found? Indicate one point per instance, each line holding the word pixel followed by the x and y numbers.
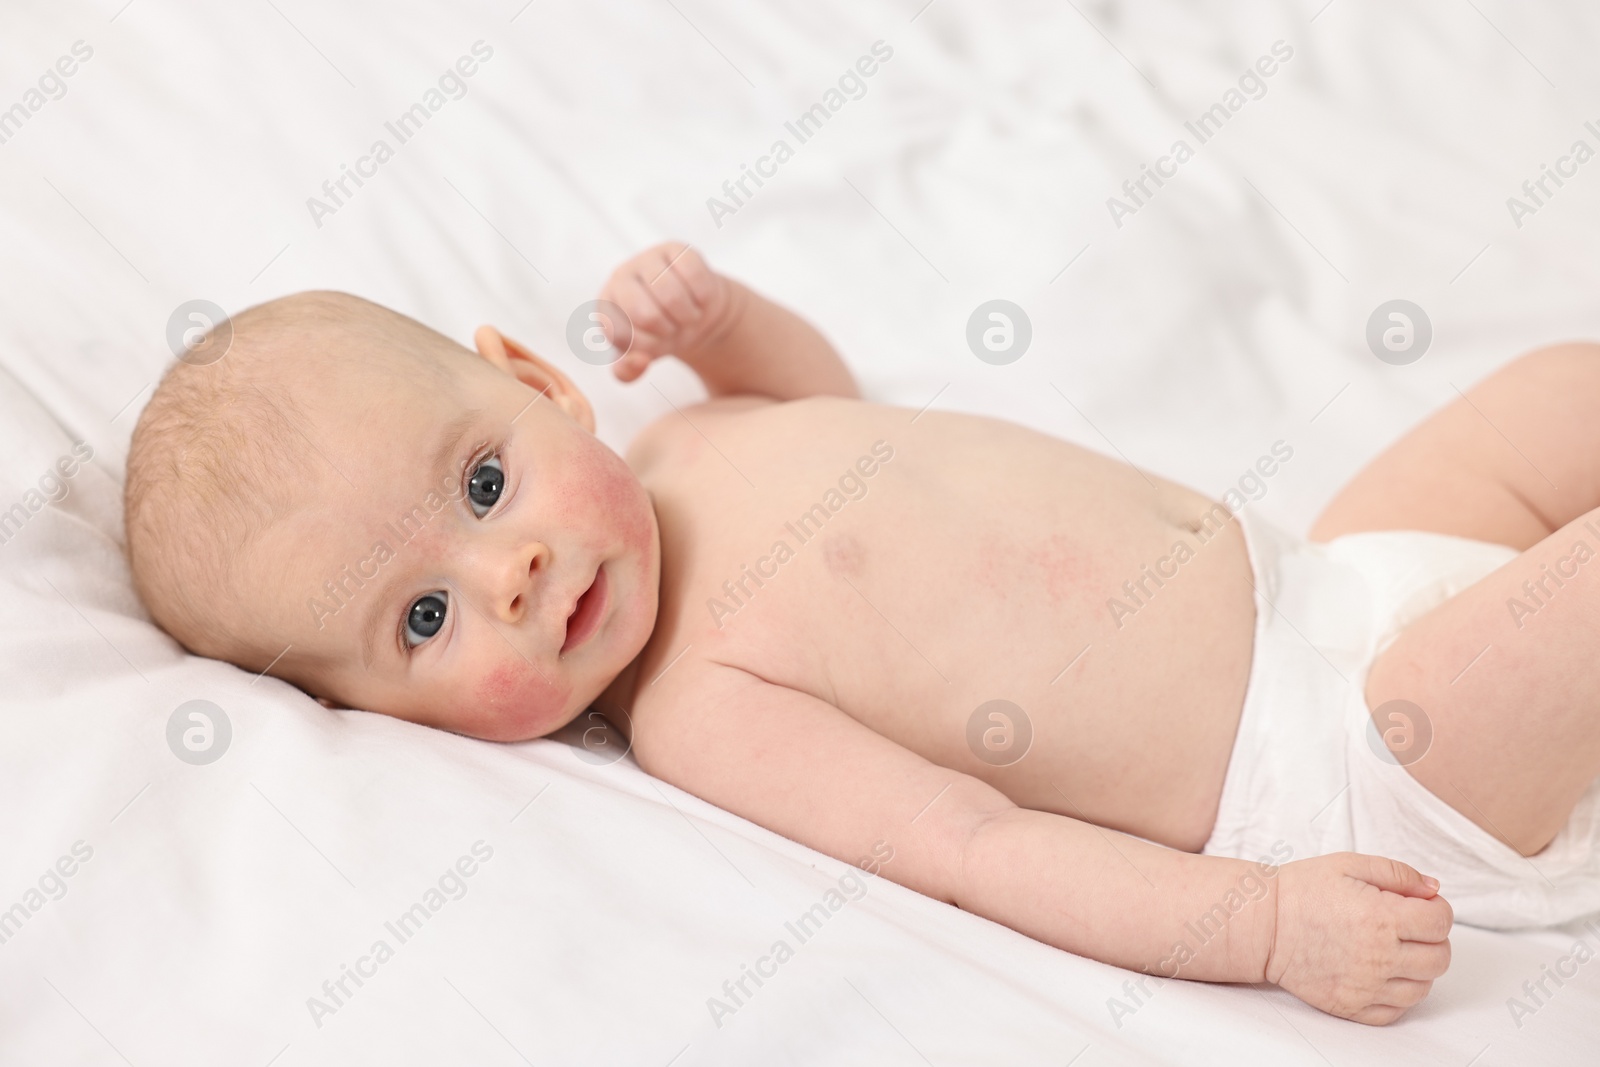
pixel 425 618
pixel 483 488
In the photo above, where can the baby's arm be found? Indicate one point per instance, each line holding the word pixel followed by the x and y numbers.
pixel 737 341
pixel 1334 930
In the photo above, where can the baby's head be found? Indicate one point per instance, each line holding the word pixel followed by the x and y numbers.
pixel 356 504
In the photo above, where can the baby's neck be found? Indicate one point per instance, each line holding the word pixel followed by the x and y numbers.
pixel 618 696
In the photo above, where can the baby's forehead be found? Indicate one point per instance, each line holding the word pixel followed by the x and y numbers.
pixel 350 395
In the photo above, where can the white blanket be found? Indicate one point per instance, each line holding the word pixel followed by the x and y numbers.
pixel 534 907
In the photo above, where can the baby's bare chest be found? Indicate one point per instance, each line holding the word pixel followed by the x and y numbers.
pixel 909 569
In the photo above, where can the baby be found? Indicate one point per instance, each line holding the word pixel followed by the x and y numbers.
pixel 1061 692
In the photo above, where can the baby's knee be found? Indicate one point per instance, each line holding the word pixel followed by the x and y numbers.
pixel 1564 365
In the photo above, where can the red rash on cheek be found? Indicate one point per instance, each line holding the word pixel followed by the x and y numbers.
pixel 515 703
pixel 615 493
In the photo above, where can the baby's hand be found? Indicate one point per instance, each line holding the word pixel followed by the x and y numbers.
pixel 1360 937
pixel 675 305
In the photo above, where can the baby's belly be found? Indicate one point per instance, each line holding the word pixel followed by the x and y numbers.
pixel 1071 630
pixel 1099 679
pixel 1136 734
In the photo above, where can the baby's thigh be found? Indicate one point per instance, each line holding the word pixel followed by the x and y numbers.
pixel 1507 677
pixel 1511 459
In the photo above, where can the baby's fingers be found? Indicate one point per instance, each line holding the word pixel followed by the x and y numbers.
pixel 1398 996
pixel 1392 875
pixel 631 366
pixel 1422 962
pixel 696 276
pixel 1423 920
pixel 646 349
pixel 641 306
pixel 671 293
pixel 1378 1014
pixel 1403 992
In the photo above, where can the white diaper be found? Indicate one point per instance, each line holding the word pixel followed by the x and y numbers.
pixel 1303 771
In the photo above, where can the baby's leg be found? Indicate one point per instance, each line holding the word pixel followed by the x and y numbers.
pixel 1512 460
pixel 1508 672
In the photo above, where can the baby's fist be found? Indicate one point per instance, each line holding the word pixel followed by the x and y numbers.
pixel 1360 937
pixel 675 305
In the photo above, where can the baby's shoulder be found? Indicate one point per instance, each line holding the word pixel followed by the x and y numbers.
pixel 673 702
pixel 659 438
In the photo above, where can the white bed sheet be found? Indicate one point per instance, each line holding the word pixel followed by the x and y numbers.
pixel 1226 314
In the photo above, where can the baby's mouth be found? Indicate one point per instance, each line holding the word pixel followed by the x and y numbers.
pixel 586 612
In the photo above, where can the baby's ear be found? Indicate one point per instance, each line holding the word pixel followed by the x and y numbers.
pixel 537 374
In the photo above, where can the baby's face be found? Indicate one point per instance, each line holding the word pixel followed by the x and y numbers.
pixel 467 557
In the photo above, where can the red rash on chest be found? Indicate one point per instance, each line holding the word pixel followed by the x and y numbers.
pixel 1061 565
pixel 843 555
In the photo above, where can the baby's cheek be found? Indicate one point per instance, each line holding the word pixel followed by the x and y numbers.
pixel 621 500
pixel 629 507
pixel 514 702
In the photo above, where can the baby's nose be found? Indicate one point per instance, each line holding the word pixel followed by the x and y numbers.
pixel 518 582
